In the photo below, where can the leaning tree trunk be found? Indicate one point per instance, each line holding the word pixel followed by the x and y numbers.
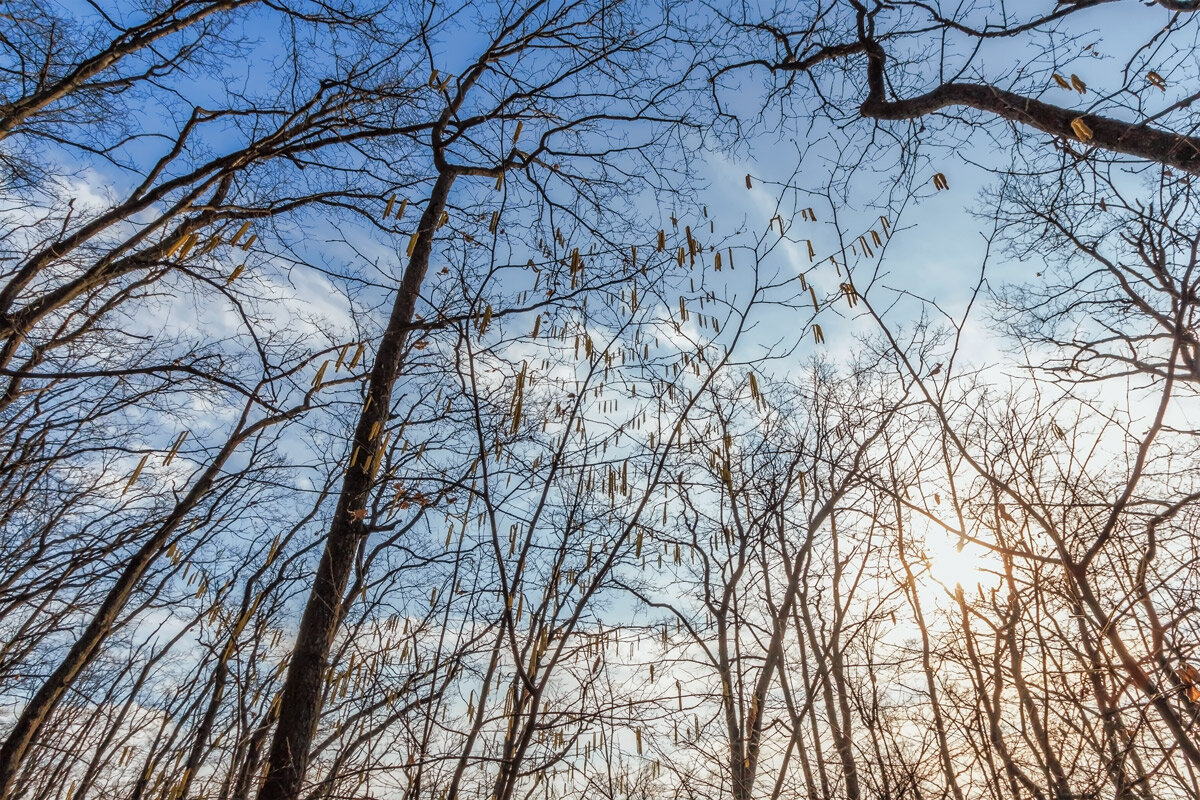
pixel 300 703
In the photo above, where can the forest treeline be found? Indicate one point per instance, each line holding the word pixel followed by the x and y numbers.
pixel 414 400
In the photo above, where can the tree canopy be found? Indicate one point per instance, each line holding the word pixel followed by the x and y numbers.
pixel 573 398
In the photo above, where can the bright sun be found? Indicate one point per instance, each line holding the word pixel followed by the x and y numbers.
pixel 953 563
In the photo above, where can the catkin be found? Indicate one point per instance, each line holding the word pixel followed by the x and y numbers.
pixel 358 354
pixel 136 472
pixel 240 232
pixel 316 382
pixel 188 244
pixel 175 448
pixel 1081 129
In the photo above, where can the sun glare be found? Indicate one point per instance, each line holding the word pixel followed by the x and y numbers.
pixel 953 562
pixel 950 564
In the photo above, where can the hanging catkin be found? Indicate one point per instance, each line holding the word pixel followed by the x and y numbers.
pixel 136 472
pixel 358 354
pixel 175 448
pixel 240 232
pixel 320 376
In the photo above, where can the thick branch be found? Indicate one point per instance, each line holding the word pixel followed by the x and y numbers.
pixel 1138 140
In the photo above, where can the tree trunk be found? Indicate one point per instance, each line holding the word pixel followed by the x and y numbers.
pixel 300 703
